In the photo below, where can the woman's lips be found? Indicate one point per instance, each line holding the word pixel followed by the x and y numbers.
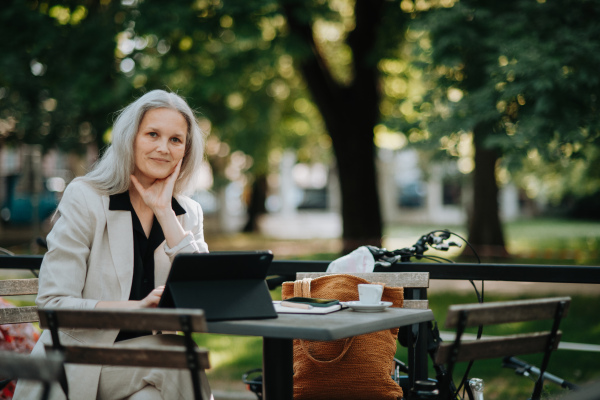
pixel 160 160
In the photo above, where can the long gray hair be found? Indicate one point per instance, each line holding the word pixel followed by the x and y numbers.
pixel 111 174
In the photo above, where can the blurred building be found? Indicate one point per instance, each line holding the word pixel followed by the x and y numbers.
pixel 303 200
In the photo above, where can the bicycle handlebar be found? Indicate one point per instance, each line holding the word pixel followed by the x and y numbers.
pixel 522 368
pixel 386 258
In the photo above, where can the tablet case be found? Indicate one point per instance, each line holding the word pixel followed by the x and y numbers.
pixel 226 285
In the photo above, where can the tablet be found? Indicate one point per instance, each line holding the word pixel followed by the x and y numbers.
pixel 226 285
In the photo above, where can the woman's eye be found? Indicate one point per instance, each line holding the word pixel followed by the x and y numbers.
pixel 153 134
pixel 176 140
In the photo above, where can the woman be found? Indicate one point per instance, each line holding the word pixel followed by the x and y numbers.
pixel 118 229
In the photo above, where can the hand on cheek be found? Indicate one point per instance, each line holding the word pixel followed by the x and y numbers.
pixel 158 195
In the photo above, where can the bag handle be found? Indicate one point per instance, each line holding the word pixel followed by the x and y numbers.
pixel 302 287
pixel 325 362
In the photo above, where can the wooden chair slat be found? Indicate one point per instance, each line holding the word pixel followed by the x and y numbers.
pixel 496 347
pixel 23 366
pixel 409 280
pixel 18 315
pixel 170 354
pixel 511 311
pixel 403 279
pixel 144 319
pixel 163 356
pixel 416 304
pixel 18 287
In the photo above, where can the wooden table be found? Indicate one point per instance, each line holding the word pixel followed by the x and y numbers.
pixel 278 335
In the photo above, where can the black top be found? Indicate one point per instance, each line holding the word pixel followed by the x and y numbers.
pixel 143 252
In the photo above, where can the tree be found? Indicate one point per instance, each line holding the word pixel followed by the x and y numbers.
pixel 525 71
pixel 351 109
pixel 229 59
pixel 58 86
pixel 58 78
pixel 245 42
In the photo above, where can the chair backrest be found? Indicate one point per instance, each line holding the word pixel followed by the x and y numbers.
pixel 18 287
pixel 46 370
pixel 187 321
pixel 126 319
pixel 415 284
pixel 469 315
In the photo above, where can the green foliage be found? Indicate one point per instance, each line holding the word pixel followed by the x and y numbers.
pixel 231 60
pixel 527 68
pixel 58 81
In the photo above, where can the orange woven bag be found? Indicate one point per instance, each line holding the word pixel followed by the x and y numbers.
pixel 357 368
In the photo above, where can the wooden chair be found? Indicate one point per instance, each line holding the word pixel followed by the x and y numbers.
pixel 469 315
pixel 18 287
pixel 186 321
pixel 46 370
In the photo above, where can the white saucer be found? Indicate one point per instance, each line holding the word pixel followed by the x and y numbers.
pixel 360 307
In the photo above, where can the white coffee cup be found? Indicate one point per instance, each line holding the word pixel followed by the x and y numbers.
pixel 370 293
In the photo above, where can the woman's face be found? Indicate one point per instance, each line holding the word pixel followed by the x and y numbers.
pixel 159 144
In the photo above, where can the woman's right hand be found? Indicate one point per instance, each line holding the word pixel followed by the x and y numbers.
pixel 151 301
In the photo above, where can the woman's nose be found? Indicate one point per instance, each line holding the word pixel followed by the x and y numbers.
pixel 162 146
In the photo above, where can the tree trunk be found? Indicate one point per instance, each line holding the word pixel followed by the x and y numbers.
pixel 485 228
pixel 350 114
pixel 361 214
pixel 256 204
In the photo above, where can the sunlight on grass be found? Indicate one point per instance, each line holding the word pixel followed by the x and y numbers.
pixel 229 355
pixel 555 239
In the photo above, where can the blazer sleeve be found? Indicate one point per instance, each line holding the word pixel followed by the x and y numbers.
pixel 64 268
pixel 193 224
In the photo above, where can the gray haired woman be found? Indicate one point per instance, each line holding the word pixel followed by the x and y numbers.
pixel 118 229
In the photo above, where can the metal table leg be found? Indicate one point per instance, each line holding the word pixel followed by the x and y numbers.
pixel 278 379
pixel 417 353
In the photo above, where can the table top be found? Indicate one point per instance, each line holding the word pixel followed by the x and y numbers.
pixel 336 325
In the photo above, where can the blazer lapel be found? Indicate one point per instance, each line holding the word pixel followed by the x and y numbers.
pixel 120 239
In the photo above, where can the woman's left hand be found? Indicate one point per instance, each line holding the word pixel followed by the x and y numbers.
pixel 158 195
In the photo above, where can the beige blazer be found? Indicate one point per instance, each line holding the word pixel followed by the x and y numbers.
pixel 90 259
